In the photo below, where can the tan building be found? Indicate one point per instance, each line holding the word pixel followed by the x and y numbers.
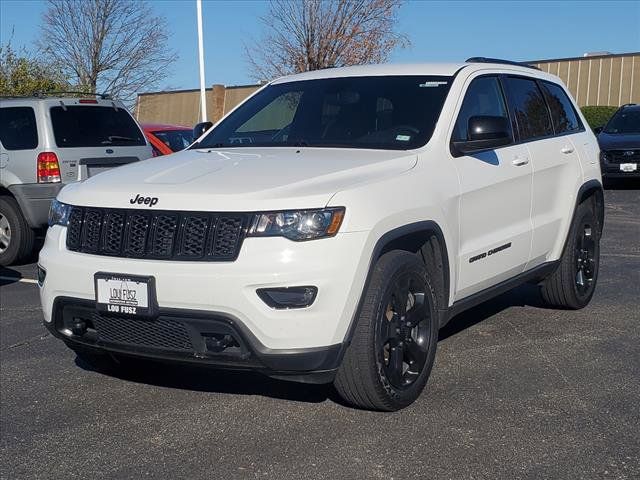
pixel 598 79
pixel 593 80
pixel 182 107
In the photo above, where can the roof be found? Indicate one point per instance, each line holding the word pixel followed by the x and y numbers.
pixel 154 127
pixel 442 69
pixel 430 69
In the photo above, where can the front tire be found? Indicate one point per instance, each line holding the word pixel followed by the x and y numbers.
pixel 388 363
pixel 572 284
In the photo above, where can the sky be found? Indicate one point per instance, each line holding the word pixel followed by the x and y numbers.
pixel 438 31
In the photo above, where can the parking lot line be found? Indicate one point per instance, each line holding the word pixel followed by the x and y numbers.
pixel 19 279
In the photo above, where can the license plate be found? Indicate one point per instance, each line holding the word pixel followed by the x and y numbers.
pixel 125 294
pixel 628 167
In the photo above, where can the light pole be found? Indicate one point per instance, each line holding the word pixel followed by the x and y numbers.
pixel 203 98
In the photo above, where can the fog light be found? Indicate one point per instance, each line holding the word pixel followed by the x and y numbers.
pixel 288 297
pixel 42 273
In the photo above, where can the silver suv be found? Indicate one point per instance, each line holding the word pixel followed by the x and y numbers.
pixel 47 142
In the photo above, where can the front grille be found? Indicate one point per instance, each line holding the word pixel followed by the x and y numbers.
pixel 163 333
pixel 162 235
pixel 623 156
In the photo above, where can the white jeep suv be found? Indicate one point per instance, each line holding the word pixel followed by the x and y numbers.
pixel 328 227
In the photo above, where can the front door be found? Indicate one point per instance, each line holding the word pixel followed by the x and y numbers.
pixel 495 199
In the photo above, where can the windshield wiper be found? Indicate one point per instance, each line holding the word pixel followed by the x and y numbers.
pixel 111 138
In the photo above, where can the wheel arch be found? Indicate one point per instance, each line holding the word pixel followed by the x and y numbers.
pixel 413 237
pixel 592 189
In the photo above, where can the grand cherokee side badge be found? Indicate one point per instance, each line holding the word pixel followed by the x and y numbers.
pixel 151 201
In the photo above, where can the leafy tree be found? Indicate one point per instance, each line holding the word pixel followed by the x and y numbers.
pixel 22 75
pixel 302 35
pixel 112 46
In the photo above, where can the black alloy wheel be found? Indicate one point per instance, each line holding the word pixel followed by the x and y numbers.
pixel 585 252
pixel 403 331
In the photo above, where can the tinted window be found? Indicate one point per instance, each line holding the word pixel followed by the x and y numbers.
pixel 483 97
pixel 624 121
pixel 176 140
pixel 89 126
pixel 562 113
pixel 18 130
pixel 528 108
pixel 390 112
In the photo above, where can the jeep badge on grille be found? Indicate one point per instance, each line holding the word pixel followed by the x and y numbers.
pixel 151 201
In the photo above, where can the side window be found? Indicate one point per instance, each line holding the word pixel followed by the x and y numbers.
pixel 562 113
pixel 483 97
pixel 529 110
pixel 18 130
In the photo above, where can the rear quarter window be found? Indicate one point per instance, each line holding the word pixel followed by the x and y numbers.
pixel 563 115
pixel 18 129
pixel 94 126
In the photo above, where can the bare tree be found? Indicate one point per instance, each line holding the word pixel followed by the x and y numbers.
pixel 113 46
pixel 302 35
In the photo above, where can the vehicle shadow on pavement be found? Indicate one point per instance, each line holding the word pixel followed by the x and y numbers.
pixel 202 379
pixel 524 295
pixel 9 276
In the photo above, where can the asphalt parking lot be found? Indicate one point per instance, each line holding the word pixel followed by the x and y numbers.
pixel 518 391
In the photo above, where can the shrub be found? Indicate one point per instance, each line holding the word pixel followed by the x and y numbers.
pixel 598 116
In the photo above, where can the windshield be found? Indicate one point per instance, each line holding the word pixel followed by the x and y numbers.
pixel 93 126
pixel 391 112
pixel 625 121
pixel 176 140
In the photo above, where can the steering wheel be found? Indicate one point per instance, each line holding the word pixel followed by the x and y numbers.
pixel 399 128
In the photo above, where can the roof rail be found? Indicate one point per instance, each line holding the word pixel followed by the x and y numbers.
pixel 103 96
pixel 499 60
pixel 628 105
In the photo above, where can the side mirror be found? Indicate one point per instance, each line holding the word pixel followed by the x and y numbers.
pixel 485 132
pixel 597 130
pixel 200 128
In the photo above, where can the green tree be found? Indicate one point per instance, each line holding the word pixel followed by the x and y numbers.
pixel 23 75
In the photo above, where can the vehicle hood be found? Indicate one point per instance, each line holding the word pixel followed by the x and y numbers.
pixel 608 141
pixel 239 179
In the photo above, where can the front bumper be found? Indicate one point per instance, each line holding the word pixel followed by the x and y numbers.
pixel 612 170
pixel 226 292
pixel 34 200
pixel 188 337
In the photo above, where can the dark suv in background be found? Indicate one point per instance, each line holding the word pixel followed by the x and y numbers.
pixel 619 143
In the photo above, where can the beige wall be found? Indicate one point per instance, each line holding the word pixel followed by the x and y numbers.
pixel 183 107
pixel 604 80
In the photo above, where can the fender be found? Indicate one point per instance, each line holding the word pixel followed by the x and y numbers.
pixel 428 227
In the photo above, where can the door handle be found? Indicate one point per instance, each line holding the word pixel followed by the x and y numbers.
pixel 566 150
pixel 520 161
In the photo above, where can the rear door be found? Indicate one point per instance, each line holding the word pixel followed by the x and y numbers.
pixel 91 136
pixel 495 198
pixel 546 121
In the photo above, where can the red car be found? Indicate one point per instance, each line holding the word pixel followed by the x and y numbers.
pixel 166 139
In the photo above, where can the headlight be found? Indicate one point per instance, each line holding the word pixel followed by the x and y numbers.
pixel 605 156
pixel 297 225
pixel 59 213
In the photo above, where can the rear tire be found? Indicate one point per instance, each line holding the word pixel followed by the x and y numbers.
pixel 16 237
pixel 572 284
pixel 392 351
